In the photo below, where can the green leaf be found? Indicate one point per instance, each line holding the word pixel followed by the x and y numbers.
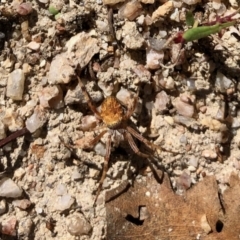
pixel 53 10
pixel 189 18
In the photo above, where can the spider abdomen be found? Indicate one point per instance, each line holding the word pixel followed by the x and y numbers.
pixel 111 112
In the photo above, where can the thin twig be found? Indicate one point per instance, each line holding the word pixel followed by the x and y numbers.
pixel 13 136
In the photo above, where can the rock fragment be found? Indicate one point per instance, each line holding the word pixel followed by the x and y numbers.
pixel 51 97
pixel 9 226
pixel 9 189
pixel 161 102
pixel 25 227
pixel 213 124
pixel 131 37
pixel 130 10
pixel 184 106
pixel 205 225
pixel 3 206
pixel 162 10
pixel 12 120
pixel 84 47
pixel 77 225
pixel 208 153
pixel 36 120
pixel 153 58
pixel 143 74
pixel 64 202
pixel 183 183
pixel 22 204
pixel 61 70
pixel 15 84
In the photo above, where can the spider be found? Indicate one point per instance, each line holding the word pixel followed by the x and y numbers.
pixel 115 118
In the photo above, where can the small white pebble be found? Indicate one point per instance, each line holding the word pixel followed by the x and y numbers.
pixel 39 210
pixel 33 46
pixel 191 168
pixel 100 149
pixel 148 194
pixel 9 189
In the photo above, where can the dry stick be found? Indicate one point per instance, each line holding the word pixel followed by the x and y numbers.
pixel 13 136
pixel 110 23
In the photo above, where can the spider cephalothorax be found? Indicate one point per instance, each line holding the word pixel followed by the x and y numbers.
pixel 115 118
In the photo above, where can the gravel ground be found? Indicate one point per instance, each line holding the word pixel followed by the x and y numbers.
pixel 47 190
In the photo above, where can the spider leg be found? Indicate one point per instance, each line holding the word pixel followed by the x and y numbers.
pixel 145 141
pixel 97 138
pixel 133 145
pixel 88 98
pixel 105 167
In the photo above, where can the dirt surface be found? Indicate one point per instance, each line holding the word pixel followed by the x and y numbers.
pixel 190 109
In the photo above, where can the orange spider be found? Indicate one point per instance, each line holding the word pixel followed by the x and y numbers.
pixel 115 118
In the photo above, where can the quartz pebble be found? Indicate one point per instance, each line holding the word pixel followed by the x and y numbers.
pixel 153 58
pixel 9 189
pixel 77 225
pixel 100 149
pixel 9 227
pixel 64 202
pixel 15 84
pixel 37 119
pixel 33 46
pixel 193 161
pixel 22 204
pixel 222 82
pixel 124 96
pixel 24 8
pixel 61 190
